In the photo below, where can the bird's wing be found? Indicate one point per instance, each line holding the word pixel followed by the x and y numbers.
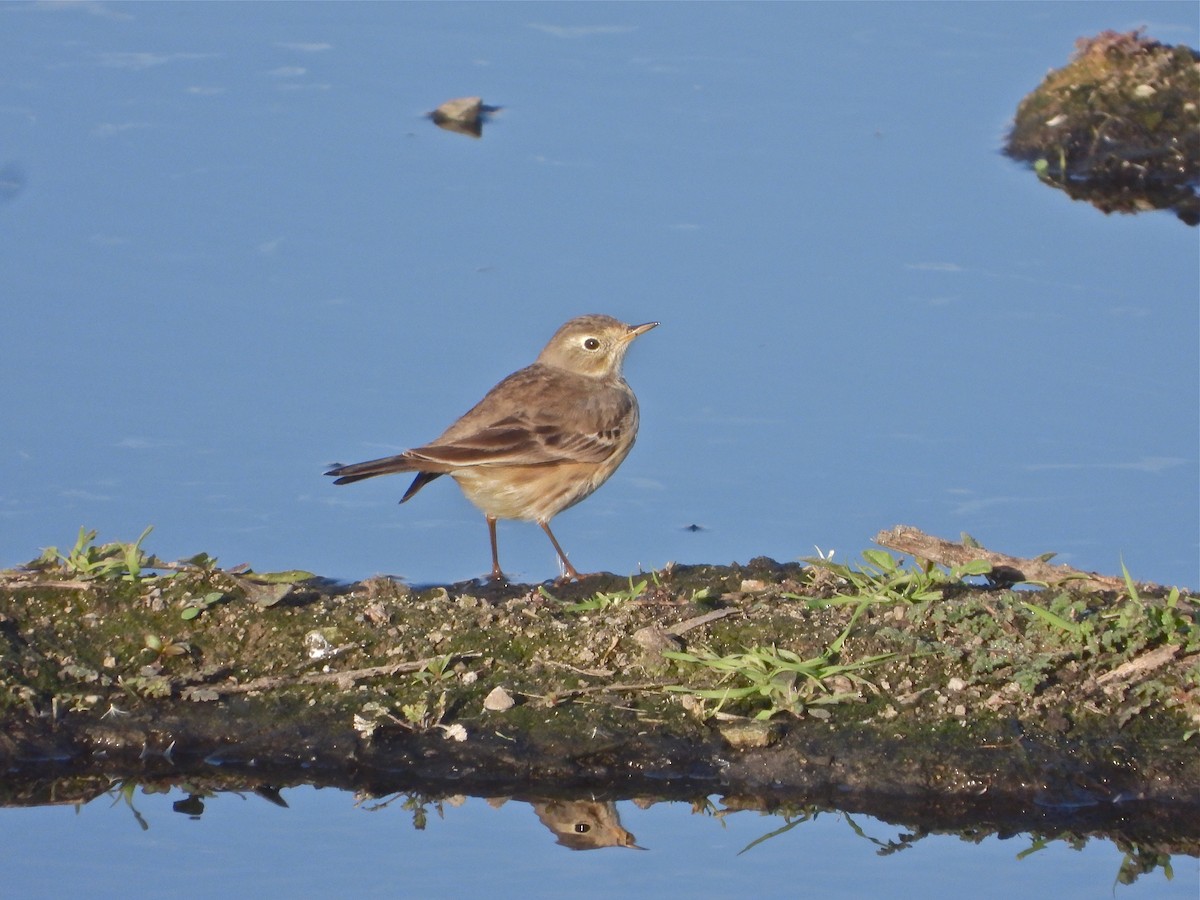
pixel 546 418
pixel 536 416
pixel 520 440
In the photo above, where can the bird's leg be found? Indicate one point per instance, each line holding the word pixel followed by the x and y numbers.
pixel 497 575
pixel 571 573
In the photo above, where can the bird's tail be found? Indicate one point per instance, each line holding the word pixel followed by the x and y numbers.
pixel 369 469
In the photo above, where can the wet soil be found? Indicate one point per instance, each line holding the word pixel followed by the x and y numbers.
pixel 1118 126
pixel 971 710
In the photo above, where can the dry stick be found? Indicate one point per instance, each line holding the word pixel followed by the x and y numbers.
pixel 915 542
pixel 1139 666
pixel 591 673
pixel 22 580
pixel 628 687
pixel 270 682
pixel 697 621
pixel 678 629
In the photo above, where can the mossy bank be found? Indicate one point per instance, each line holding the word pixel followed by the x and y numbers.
pixel 909 684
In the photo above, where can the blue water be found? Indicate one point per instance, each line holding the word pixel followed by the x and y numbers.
pixel 327 843
pixel 234 252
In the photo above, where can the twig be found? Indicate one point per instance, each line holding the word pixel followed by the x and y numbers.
pixel 1139 665
pixel 697 621
pixel 556 697
pixel 915 542
pixel 21 580
pixel 271 682
pixel 592 673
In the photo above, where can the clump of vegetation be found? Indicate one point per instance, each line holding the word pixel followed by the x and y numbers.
pixel 601 600
pixel 128 562
pixel 114 560
pixel 773 680
pixel 882 577
pixel 1119 126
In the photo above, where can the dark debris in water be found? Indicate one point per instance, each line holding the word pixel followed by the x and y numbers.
pixel 464 115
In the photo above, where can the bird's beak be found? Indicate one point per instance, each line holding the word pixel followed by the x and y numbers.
pixel 636 330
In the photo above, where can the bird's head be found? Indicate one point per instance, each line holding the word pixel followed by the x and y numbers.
pixel 592 345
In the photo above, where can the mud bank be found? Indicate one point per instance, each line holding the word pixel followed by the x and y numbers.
pixel 913 694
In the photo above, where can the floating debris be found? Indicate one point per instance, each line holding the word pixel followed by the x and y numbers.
pixel 464 115
pixel 1119 126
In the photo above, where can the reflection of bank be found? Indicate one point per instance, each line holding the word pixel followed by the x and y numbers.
pixel 1119 126
pixel 584 824
pixel 464 115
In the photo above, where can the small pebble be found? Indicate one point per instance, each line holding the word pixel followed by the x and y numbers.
pixel 498 700
pixel 656 640
pixel 749 734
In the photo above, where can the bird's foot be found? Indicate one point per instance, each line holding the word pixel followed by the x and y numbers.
pixel 572 575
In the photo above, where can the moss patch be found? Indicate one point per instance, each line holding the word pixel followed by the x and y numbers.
pixel 1118 126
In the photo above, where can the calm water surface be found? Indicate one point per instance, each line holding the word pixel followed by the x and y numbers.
pixel 234 252
pixel 326 842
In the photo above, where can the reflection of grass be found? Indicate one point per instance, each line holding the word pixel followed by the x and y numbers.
pixel 789 824
pixel 791 820
pixel 123 792
pixel 1137 860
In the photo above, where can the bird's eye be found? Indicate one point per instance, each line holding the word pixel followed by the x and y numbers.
pixel 591 344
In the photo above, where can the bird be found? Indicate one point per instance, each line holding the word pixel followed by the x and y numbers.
pixel 541 440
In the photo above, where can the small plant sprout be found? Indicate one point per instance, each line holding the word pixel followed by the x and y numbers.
pixel 197 605
pixel 436 670
pixel 165 649
pixel 115 560
pixel 883 578
pixel 604 599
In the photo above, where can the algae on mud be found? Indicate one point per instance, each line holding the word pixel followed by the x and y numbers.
pixel 1020 708
pixel 1118 126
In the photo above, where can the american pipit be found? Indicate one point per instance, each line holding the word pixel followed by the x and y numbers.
pixel 543 439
